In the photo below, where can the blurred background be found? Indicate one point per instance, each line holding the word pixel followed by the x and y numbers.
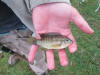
pixel 86 61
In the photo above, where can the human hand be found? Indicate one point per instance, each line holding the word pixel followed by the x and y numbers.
pixel 56 17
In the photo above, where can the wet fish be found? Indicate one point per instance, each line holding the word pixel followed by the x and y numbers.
pixel 54 42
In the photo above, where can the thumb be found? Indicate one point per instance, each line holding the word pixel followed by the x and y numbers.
pixel 80 22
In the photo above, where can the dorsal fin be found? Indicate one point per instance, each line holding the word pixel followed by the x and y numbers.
pixel 42 35
pixel 49 34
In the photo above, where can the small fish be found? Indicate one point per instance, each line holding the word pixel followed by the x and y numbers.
pixel 53 41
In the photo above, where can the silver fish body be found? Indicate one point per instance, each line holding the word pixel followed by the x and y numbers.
pixel 54 42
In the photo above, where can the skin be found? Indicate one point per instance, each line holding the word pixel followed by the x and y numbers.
pixel 56 17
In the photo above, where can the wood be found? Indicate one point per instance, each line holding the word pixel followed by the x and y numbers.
pixel 20 43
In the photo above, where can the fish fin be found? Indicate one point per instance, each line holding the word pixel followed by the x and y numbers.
pixel 56 46
pixel 42 35
pixel 44 49
pixel 32 40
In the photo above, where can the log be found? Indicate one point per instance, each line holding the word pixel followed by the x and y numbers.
pixel 20 43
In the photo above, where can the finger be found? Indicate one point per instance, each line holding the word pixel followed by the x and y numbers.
pixel 32 53
pixel 80 22
pixel 50 59
pixel 73 46
pixel 63 57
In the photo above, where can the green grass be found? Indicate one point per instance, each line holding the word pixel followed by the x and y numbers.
pixel 22 68
pixel 86 61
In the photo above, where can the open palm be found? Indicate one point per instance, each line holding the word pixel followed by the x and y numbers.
pixel 56 17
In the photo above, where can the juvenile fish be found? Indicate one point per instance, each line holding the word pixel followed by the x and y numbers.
pixel 54 42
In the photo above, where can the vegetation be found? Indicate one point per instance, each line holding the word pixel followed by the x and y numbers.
pixel 86 61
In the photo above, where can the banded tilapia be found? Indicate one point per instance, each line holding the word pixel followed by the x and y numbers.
pixel 53 41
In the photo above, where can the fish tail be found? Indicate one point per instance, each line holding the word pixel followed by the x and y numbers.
pixel 34 41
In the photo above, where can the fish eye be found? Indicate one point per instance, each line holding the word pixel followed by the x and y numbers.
pixel 67 39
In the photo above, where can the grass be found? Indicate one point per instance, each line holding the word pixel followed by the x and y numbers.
pixel 22 68
pixel 86 61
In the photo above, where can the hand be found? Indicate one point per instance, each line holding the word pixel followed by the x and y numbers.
pixel 56 17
